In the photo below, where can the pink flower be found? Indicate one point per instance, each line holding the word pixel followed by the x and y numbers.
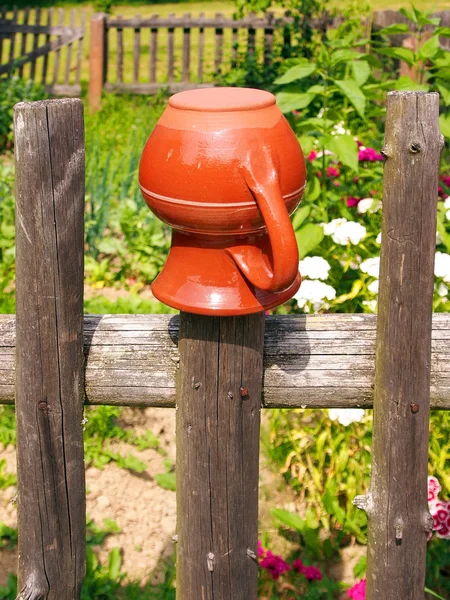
pixel 312 573
pixel 312 155
pixel 358 591
pixel 297 565
pixel 261 550
pixel 445 179
pixel 332 172
pixel 434 487
pixel 274 564
pixel 351 201
pixel 368 154
pixel 441 193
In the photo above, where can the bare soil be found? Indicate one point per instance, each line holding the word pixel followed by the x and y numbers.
pixel 145 512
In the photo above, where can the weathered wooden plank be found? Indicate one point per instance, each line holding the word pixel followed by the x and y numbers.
pixel 80 50
pixel 234 46
pixel 218 416
pixel 219 41
pixel 151 88
pixel 136 52
pixel 195 21
pixel 186 51
pixel 12 47
pixel 268 44
pixel 3 34
pixel 9 27
pixel 49 151
pixel 47 41
pixel 58 49
pixel 23 47
pixel 153 56
pixel 397 504
pixel 69 50
pixel 201 50
pixel 251 41
pixel 170 51
pixel 309 351
pixel 119 55
pixel 96 61
pixel 35 45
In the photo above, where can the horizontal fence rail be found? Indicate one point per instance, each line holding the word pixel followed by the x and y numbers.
pixel 44 46
pixel 312 361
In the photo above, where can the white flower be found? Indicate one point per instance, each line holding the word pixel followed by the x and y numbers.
pixel 439 240
pixel 371 266
pixel 441 289
pixel 371 305
pixel 447 215
pixel 442 266
pixel 342 231
pixel 378 238
pixel 339 129
pixel 447 203
pixel 373 286
pixel 314 292
pixel 368 205
pixel 314 267
pixel 345 416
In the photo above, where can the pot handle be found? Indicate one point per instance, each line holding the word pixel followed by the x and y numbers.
pixel 262 179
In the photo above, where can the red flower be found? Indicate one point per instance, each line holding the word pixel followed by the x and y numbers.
pixel 274 564
pixel 368 154
pixel 333 172
pixel 312 155
pixel 312 573
pixel 358 591
pixel 351 201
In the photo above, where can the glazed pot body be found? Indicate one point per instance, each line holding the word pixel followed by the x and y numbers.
pixel 197 180
pixel 224 170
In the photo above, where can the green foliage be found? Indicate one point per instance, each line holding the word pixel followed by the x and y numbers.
pixel 167 480
pixel 13 90
pixel 7 238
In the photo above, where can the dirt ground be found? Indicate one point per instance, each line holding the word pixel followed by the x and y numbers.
pixel 146 513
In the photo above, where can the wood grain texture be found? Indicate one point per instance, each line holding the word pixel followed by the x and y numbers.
pixel 170 51
pixel 201 50
pixel 136 52
pixel 49 152
pixel 309 360
pixel 186 51
pixel 397 500
pixel 218 418
pixel 153 55
pixel 97 61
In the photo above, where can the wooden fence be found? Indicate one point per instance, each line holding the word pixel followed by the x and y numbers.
pixel 44 48
pixel 181 52
pixel 223 367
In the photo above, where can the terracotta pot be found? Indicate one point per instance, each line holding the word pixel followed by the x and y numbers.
pixel 224 169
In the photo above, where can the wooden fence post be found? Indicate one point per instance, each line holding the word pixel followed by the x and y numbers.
pixel 96 61
pixel 49 151
pixel 397 500
pixel 218 418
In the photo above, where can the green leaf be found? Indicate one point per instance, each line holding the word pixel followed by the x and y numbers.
pixel 360 568
pixel 295 73
pixel 406 83
pixel 306 143
pixel 289 519
pixel 344 55
pixel 289 100
pixel 404 54
pixel 408 14
pixel 132 463
pixel 354 93
pixel 442 31
pixel 428 591
pixel 394 29
pixel 361 71
pixel 316 89
pixel 444 122
pixel 331 503
pixel 430 48
pixel 345 148
pixel 114 563
pixel 312 191
pixel 167 481
pixel 300 215
pixel 308 237
pixel 444 90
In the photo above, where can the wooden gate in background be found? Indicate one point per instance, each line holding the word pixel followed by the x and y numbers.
pixel 43 47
